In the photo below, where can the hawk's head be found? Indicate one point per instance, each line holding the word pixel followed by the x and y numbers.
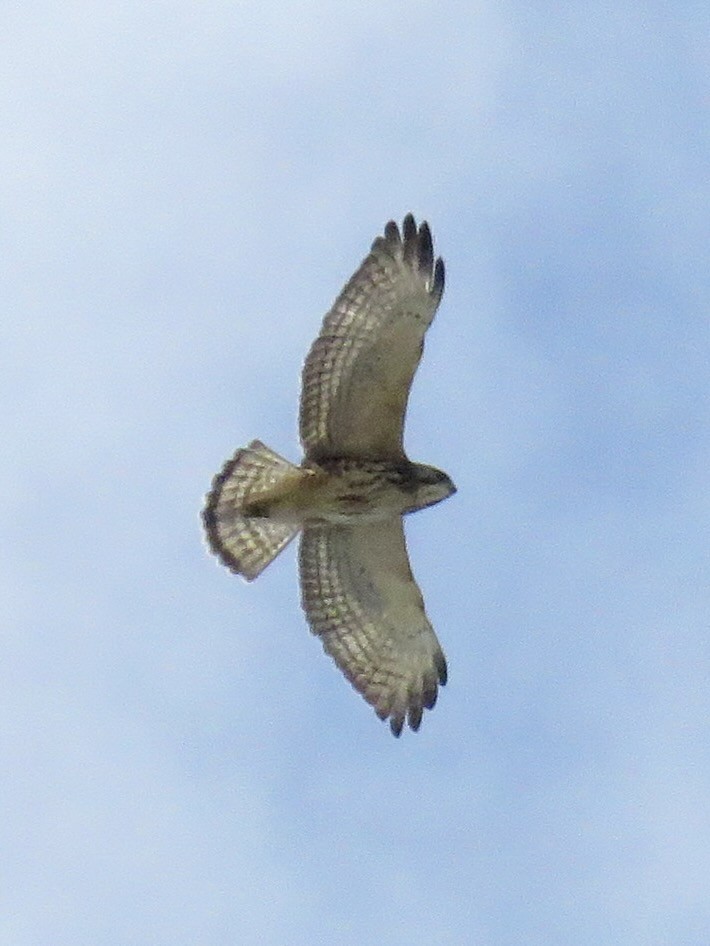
pixel 430 486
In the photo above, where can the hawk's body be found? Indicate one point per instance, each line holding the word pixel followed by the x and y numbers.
pixel 354 485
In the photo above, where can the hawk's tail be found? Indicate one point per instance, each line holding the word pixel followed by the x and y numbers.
pixel 247 543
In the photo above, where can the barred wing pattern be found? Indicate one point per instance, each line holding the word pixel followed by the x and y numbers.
pixel 358 373
pixel 361 599
pixel 246 544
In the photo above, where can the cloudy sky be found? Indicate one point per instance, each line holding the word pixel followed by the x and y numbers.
pixel 184 187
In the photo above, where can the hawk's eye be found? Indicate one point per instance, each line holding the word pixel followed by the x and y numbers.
pixel 433 477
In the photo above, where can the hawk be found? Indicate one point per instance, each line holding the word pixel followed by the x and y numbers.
pixel 354 485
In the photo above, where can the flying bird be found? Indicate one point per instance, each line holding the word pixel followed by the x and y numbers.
pixel 355 483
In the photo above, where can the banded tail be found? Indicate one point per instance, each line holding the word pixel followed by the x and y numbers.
pixel 246 544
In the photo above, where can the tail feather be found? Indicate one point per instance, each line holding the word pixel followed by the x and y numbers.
pixel 246 544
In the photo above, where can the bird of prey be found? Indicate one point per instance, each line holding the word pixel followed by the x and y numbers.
pixel 354 485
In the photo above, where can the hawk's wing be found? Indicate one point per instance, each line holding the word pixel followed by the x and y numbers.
pixel 357 375
pixel 361 599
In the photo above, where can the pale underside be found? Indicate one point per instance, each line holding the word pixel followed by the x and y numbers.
pixel 359 371
pixel 362 601
pixel 358 591
pixel 357 588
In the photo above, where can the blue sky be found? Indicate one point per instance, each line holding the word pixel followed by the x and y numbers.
pixel 184 188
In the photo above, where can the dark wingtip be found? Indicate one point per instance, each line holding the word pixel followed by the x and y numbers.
pixel 396 723
pixel 425 250
pixel 414 717
pixel 409 228
pixel 418 250
pixel 392 232
pixel 441 668
pixel 430 691
pixel 437 283
pixel 409 238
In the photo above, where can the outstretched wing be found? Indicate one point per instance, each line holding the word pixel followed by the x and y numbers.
pixel 359 370
pixel 361 599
